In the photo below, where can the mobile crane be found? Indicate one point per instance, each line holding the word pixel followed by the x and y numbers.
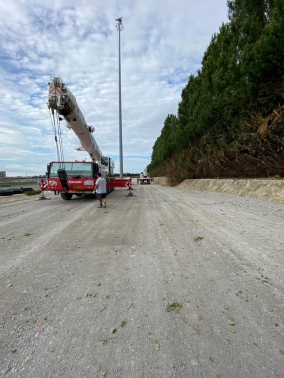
pixel 144 178
pixel 76 177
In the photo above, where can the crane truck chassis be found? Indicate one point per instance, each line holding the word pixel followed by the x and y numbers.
pixel 78 178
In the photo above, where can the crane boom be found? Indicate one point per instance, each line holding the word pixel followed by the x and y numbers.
pixel 62 100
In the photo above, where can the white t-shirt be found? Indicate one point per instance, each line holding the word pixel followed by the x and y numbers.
pixel 102 185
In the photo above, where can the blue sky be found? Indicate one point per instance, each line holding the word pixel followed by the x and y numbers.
pixel 162 44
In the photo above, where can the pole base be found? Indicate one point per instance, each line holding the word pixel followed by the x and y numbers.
pixel 43 198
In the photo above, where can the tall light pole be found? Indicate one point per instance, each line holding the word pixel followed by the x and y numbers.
pixel 119 27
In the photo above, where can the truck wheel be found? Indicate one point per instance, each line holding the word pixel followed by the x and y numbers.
pixel 66 196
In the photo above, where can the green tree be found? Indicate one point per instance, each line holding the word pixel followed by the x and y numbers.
pixel 230 117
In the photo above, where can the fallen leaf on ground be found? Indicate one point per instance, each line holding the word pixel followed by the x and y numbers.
pixel 231 322
pixel 157 345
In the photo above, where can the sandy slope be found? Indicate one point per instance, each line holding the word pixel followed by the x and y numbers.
pixel 266 189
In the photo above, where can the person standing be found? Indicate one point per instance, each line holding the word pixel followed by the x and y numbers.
pixel 101 190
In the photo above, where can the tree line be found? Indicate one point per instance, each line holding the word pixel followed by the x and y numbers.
pixel 230 120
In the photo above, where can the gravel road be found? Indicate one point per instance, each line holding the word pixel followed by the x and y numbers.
pixel 169 282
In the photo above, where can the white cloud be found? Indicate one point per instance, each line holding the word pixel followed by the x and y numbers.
pixel 162 44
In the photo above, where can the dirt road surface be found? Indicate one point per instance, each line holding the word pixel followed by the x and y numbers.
pixel 169 282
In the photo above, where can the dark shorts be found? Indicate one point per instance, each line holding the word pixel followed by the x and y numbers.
pixel 101 195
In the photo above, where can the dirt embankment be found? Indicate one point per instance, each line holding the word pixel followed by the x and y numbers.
pixel 266 189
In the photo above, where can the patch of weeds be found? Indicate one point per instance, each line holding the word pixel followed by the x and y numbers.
pixel 198 238
pixel 122 324
pixel 32 192
pixel 173 306
pixel 90 294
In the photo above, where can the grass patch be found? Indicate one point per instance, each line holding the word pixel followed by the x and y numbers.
pixel 32 192
pixel 198 238
pixel 173 306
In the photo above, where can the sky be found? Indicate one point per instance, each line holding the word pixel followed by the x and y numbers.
pixel 162 44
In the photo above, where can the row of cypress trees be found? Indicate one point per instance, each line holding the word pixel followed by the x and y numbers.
pixel 230 120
